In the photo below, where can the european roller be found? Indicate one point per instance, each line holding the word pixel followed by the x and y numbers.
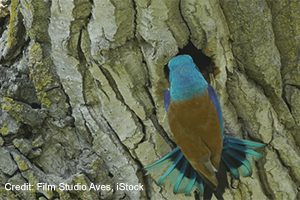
pixel 195 119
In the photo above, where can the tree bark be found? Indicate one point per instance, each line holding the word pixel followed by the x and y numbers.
pixel 81 87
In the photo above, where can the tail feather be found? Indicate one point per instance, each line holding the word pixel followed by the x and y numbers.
pixel 186 180
pixel 230 163
pixel 174 168
pixel 245 165
pixel 161 160
pixel 243 149
pixel 237 154
pixel 242 142
pixel 190 185
pixel 170 169
pixel 180 177
pixel 200 184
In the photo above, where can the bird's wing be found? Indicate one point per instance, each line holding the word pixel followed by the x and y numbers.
pixel 214 98
pixel 167 99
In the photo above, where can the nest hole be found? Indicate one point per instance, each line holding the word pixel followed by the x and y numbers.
pixel 203 62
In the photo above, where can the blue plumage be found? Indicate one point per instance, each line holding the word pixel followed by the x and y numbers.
pixel 181 176
pixel 186 83
pixel 176 168
pixel 237 155
pixel 191 183
pixel 167 99
pixel 170 169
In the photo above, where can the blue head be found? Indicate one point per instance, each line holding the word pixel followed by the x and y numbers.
pixel 185 78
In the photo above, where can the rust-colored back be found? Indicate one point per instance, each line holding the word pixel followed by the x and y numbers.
pixel 196 129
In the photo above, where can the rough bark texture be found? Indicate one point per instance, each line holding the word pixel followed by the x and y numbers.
pixel 81 86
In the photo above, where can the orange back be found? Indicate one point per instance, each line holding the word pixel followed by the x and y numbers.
pixel 197 132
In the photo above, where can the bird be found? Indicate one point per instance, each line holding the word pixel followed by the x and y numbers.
pixel 196 122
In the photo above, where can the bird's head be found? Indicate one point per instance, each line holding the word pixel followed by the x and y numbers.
pixel 180 61
pixel 185 78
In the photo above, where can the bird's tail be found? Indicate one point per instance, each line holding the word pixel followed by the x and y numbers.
pixel 237 154
pixel 175 169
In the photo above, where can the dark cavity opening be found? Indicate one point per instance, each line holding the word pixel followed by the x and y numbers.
pixel 203 62
pixel 110 175
pixel 36 105
pixel 26 131
pixel 3 24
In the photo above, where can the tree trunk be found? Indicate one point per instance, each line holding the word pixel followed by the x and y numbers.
pixel 81 87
